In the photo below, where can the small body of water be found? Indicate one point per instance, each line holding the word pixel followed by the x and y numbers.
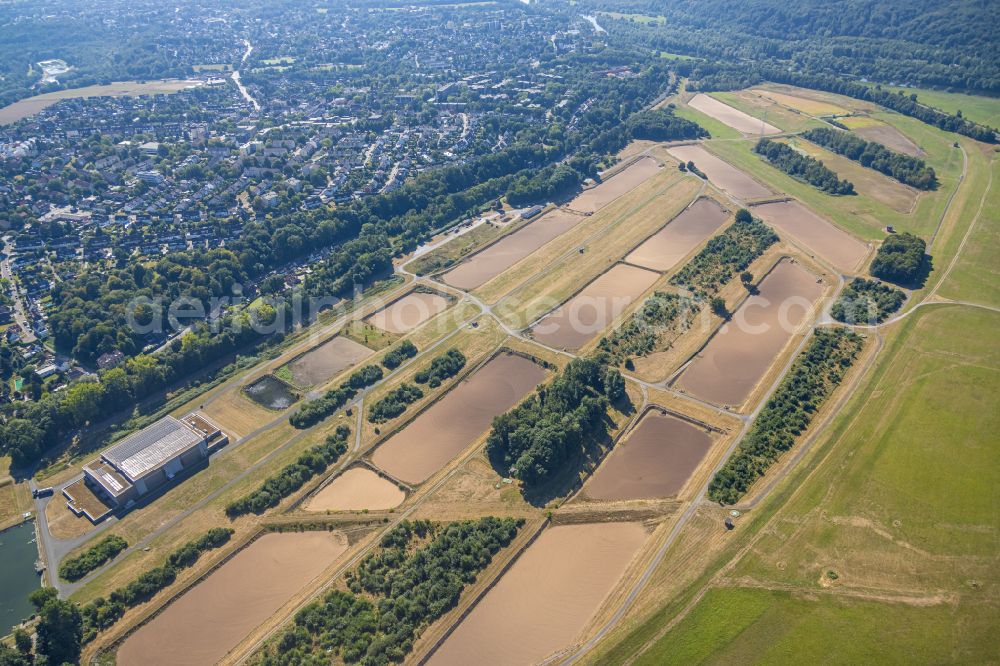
pixel 271 393
pixel 18 579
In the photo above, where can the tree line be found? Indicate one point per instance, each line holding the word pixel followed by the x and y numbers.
pixel 415 576
pixel 394 403
pixel 441 368
pixel 725 76
pixel 105 550
pixel 534 440
pixel 803 167
pixel 291 477
pixel 909 170
pixel 400 353
pixel 813 377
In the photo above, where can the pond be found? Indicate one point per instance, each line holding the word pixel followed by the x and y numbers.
pixel 271 392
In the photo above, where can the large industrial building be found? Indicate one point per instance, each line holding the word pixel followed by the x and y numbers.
pixel 141 463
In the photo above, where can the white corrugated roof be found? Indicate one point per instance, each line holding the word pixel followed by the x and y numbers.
pixel 150 448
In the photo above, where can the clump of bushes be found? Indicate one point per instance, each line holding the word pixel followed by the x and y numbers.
pixel 293 476
pixel 663 125
pixel 94 557
pixel 102 613
pixel 899 259
pixel 813 377
pixel 396 356
pixel 316 410
pixel 364 377
pixel 725 255
pixel 442 367
pixel 394 403
pixel 644 332
pixel 416 575
pixel 549 428
pixel 806 168
pixel 866 302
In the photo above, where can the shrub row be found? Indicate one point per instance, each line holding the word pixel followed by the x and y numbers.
pixel 293 476
pixel 102 613
pixel 395 357
pixel 905 169
pixel 806 168
pixel 442 367
pixel 394 403
pixel 814 375
pixel 103 551
pixel 316 410
pixel 416 575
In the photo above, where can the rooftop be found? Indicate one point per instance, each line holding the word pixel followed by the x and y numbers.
pixel 148 449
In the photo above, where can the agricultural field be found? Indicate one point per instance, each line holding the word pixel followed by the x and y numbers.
pixel 846 545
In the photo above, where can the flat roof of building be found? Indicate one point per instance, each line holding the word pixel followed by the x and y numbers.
pixel 105 474
pixel 150 448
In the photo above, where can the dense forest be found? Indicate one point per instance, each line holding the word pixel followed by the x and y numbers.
pixel 921 42
pixel 534 440
pixel 415 576
pixel 900 259
pixel 725 255
pixel 866 302
pixel 909 170
pixel 291 477
pixel 803 167
pixel 813 377
pixel 663 125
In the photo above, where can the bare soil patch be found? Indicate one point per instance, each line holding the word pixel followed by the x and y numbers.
pixel 823 238
pixel 409 311
pixel 739 354
pixel 215 615
pixel 546 598
pixel 451 424
pixel 330 358
pixel 887 135
pixel 592 310
pixel 654 460
pixel 667 247
pixel 624 181
pixel 357 489
pixel 721 173
pixel 498 257
pixel 739 121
